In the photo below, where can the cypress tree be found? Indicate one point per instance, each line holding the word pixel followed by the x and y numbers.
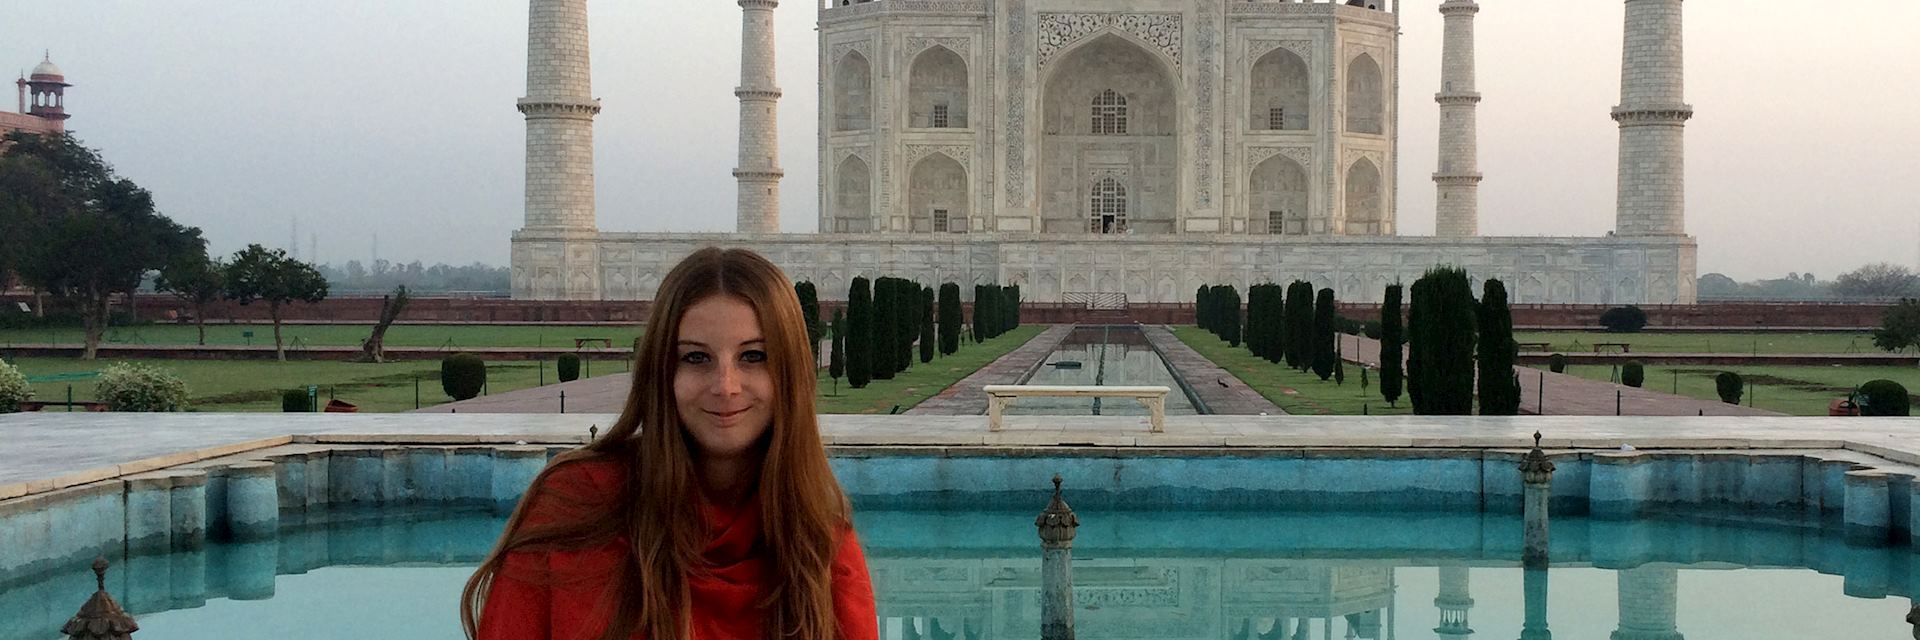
pixel 926 325
pixel 949 318
pixel 1231 314
pixel 1010 309
pixel 1299 354
pixel 907 297
pixel 859 342
pixel 981 311
pixel 1416 305
pixel 1323 313
pixel 1446 320
pixel 1391 337
pixel 1499 395
pixel 1201 316
pixel 1277 345
pixel 1251 334
pixel 884 327
pixel 837 361
pixel 810 312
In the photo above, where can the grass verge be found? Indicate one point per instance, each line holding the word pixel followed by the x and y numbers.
pixel 1730 342
pixel 921 381
pixel 1801 391
pixel 452 337
pixel 1295 392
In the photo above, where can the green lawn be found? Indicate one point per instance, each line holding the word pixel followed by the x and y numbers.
pixel 921 381
pixel 1792 390
pixel 1293 391
pixel 403 335
pixel 253 385
pixel 1749 343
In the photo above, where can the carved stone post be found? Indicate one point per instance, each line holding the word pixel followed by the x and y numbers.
pixel 1536 474
pixel 1057 525
pixel 100 618
pixel 1534 586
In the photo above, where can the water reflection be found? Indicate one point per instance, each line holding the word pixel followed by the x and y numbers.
pixel 1110 356
pixel 975 575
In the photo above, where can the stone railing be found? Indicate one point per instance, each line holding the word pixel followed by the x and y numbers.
pixel 999 396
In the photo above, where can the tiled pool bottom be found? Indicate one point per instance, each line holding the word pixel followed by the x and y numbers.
pixel 1164 575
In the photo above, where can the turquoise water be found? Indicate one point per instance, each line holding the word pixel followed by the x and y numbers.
pixel 1119 356
pixel 1137 575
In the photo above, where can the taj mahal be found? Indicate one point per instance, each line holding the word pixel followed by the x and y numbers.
pixel 1128 150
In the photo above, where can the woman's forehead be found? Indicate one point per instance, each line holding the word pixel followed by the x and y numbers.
pixel 719 321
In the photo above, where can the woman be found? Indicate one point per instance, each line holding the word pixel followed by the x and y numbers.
pixel 707 511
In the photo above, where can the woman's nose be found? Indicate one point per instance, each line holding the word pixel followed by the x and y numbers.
pixel 727 379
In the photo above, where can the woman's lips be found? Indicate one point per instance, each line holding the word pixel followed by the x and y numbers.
pixel 725 416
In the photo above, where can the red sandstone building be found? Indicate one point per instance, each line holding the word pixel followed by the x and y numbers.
pixel 42 103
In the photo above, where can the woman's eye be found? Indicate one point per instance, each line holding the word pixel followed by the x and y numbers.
pixel 754 356
pixel 694 357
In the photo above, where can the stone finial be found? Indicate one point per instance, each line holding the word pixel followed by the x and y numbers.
pixel 593 433
pixel 1536 468
pixel 1058 523
pixel 100 618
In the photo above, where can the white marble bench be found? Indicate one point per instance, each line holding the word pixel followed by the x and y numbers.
pixel 999 396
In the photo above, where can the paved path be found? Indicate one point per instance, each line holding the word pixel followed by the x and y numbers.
pixel 1576 396
pixel 1223 392
pixel 1880 359
pixel 968 397
pixel 45 450
pixel 601 394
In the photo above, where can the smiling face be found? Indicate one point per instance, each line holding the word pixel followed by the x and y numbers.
pixel 722 384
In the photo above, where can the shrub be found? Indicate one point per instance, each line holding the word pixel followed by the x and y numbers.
pixel 13 388
pixel 1633 374
pixel 1557 363
pixel 463 375
pixel 295 401
pixel 1730 386
pixel 130 386
pixel 1371 329
pixel 568 367
pixel 1900 327
pixel 1627 319
pixel 1883 398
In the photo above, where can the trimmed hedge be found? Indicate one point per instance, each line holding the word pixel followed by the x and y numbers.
pixel 1633 374
pixel 295 401
pixel 129 386
pixel 568 367
pixel 1883 398
pixel 1730 387
pixel 1627 319
pixel 1557 363
pixel 463 375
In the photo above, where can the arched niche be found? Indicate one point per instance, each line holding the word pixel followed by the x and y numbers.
pixel 1365 206
pixel 1366 91
pixel 937 195
pixel 1280 93
pixel 937 90
pixel 852 93
pixel 1277 196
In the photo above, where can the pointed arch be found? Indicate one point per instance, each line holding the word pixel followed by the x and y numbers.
pixel 852 93
pixel 852 196
pixel 1366 96
pixel 1280 93
pixel 937 90
pixel 937 195
pixel 1277 197
pixel 1365 206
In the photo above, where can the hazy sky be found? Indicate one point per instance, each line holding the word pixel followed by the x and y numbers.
pixel 397 118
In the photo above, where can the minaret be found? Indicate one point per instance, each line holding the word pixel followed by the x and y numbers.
pixel 1454 601
pixel 1653 116
pixel 560 107
pixel 1649 600
pixel 758 172
pixel 1458 204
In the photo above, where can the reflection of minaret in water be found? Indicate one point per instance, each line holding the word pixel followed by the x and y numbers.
pixel 1534 585
pixel 1649 598
pixel 1454 601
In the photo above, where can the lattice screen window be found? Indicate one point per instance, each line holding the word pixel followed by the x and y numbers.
pixel 940 221
pixel 1107 209
pixel 1277 118
pixel 940 116
pixel 1276 222
pixel 1109 114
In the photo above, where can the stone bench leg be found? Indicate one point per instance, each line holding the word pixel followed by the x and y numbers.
pixel 1156 412
pixel 995 406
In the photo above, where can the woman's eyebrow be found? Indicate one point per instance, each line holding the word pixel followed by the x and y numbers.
pixel 753 341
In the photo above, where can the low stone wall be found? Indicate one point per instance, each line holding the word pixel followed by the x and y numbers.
pixel 251 495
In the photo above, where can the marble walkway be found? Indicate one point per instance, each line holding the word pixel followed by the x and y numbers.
pixel 968 397
pixel 1223 392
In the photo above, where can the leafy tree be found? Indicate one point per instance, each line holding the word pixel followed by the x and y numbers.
pixel 75 229
pixel 1443 338
pixel 463 376
pixel 1883 398
pixel 859 334
pixel 1878 280
pixel 1899 327
pixel 374 348
pixel 1716 285
pixel 1391 339
pixel 950 318
pixel 260 274
pixel 1627 319
pixel 195 280
pixel 810 312
pixel 837 360
pixel 1730 387
pixel 1323 337
pixel 926 325
pixel 1499 395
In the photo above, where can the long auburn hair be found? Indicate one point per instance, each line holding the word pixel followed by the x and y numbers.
pixel 803 508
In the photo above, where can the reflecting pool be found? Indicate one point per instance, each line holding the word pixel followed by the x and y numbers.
pixel 1107 356
pixel 975 575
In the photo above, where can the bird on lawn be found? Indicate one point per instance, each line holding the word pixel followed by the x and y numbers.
pixel 1222 381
